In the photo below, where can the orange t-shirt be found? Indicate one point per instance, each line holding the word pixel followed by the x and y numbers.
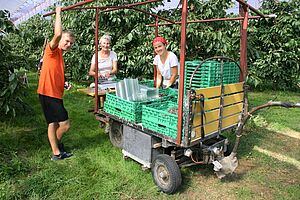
pixel 52 77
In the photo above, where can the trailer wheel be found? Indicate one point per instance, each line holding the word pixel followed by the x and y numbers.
pixel 166 173
pixel 116 133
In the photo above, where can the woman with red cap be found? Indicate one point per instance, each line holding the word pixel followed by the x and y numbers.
pixel 166 63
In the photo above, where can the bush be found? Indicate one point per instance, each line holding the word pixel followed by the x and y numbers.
pixel 11 83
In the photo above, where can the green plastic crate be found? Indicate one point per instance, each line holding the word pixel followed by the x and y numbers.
pixel 148 83
pixel 209 74
pixel 132 117
pixel 156 117
pixel 132 110
pixel 170 132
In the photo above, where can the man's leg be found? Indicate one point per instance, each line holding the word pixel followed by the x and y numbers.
pixel 62 128
pixel 52 129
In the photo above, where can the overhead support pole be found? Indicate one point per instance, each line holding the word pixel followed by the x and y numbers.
pixel 141 3
pixel 181 77
pixel 243 41
pixel 70 7
pixel 112 8
pixel 154 15
pixel 212 20
pixel 108 8
pixel 131 6
pixel 93 7
pixel 154 68
pixel 96 61
pixel 156 26
pixel 242 2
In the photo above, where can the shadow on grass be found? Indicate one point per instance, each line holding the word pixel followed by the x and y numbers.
pixel 252 136
pixel 83 142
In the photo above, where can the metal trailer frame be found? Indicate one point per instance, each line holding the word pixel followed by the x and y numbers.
pixel 163 154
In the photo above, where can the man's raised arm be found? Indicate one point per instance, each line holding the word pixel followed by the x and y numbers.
pixel 57 29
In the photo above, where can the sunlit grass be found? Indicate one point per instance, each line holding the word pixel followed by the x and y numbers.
pixel 98 171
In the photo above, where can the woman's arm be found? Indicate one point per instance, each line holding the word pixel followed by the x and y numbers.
pixel 174 74
pixel 92 70
pixel 158 77
pixel 114 68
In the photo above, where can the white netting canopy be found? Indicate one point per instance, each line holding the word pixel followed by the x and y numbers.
pixel 21 10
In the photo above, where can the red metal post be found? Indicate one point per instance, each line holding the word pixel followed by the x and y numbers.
pixel 96 62
pixel 209 20
pixel 154 15
pixel 130 5
pixel 156 34
pixel 243 3
pixel 243 42
pixel 181 77
pixel 69 7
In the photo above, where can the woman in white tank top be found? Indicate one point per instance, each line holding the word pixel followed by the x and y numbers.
pixel 107 61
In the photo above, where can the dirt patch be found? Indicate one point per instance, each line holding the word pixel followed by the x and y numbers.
pixel 208 186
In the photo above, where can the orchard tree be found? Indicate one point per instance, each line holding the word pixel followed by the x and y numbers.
pixel 11 70
pixel 275 45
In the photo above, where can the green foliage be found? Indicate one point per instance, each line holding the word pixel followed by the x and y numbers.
pixel 5 49
pixel 11 97
pixel 275 45
pixel 98 171
pixel 131 39
pixel 12 165
pixel 10 77
pixel 6 26
pixel 30 39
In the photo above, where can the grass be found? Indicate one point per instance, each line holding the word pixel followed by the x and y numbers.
pixel 98 171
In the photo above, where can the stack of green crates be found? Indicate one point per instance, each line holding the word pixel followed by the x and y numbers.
pixel 209 74
pixel 161 117
pixel 132 110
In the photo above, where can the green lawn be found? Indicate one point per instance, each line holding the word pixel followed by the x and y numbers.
pixel 269 158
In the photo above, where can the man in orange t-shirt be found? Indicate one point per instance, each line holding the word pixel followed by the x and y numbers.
pixel 51 88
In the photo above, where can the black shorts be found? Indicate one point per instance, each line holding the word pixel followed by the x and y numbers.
pixel 53 109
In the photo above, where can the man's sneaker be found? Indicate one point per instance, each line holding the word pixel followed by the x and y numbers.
pixel 61 156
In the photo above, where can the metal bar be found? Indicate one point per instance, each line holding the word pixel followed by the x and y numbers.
pixel 93 7
pixel 154 15
pixel 251 112
pixel 72 7
pixel 141 3
pixel 190 119
pixel 181 77
pixel 221 99
pixel 243 42
pixel 210 20
pixel 69 7
pixel 140 10
pixel 156 34
pixel 131 5
pixel 250 7
pixel 96 62
pixel 111 9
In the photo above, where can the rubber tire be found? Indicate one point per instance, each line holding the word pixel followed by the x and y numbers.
pixel 166 164
pixel 116 134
